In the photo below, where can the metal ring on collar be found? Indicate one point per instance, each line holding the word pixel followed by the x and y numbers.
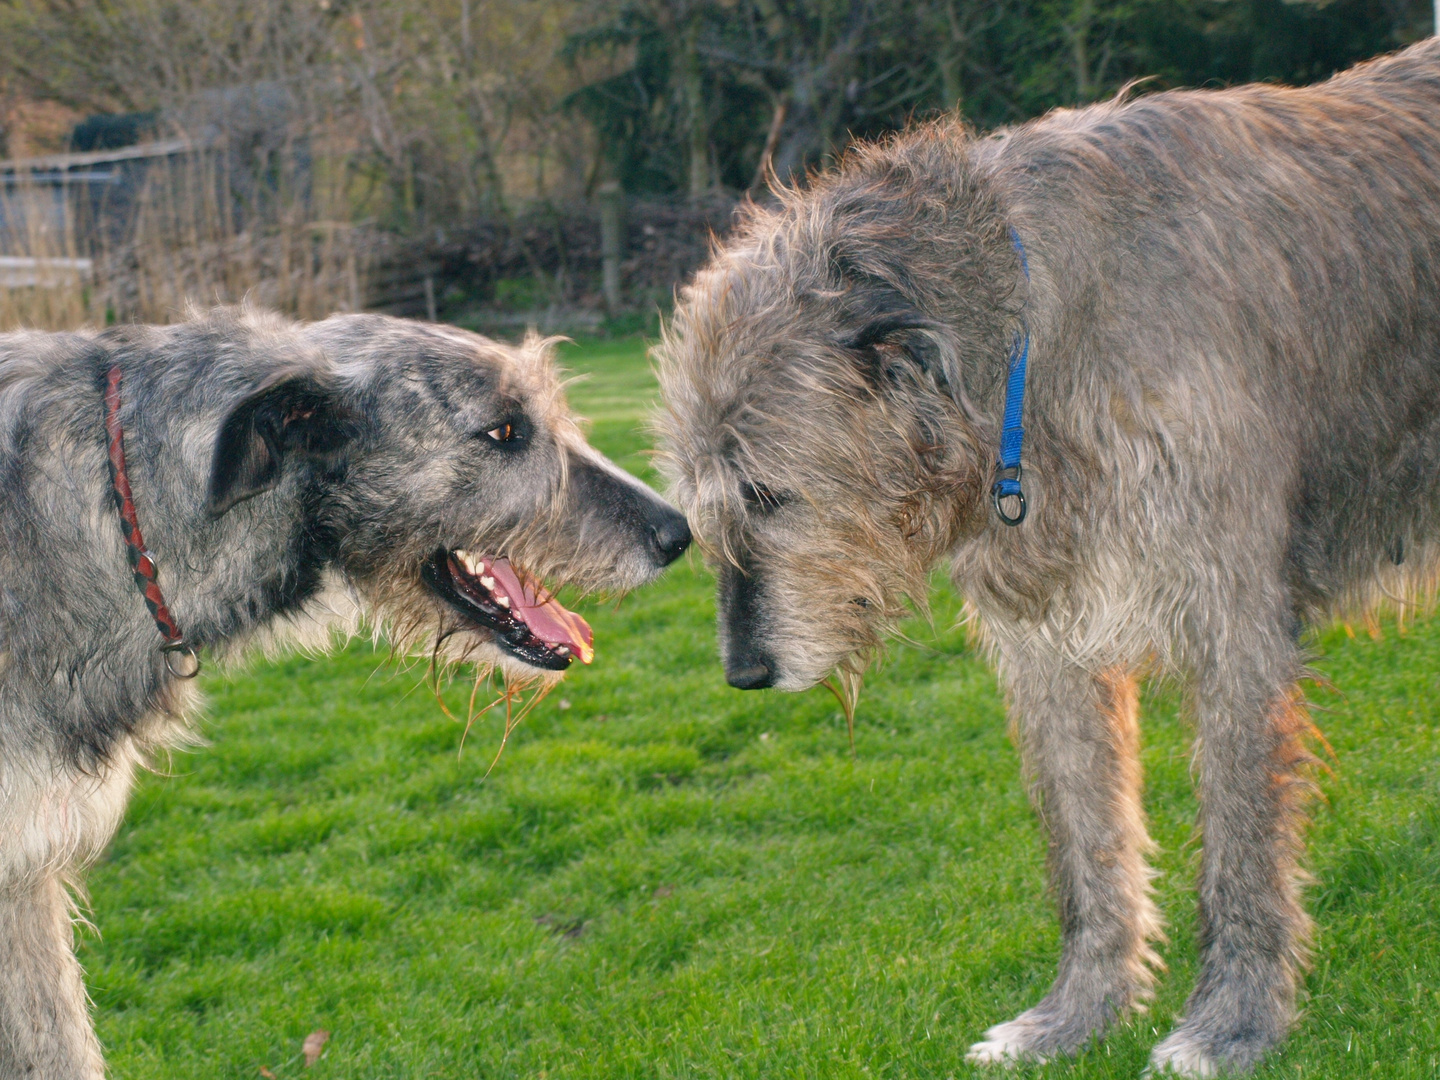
pixel 175 666
pixel 996 496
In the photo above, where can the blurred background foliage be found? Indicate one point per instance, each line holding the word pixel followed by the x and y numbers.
pixel 482 130
pixel 477 106
pixel 710 87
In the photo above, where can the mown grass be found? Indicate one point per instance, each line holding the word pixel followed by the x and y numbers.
pixel 673 879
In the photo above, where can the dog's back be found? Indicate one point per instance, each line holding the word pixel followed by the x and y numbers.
pixel 1271 258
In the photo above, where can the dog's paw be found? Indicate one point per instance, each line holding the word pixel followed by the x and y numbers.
pixel 1061 1025
pixel 1007 1044
pixel 1212 1042
pixel 1180 1055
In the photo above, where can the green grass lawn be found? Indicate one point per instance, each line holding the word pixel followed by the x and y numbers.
pixel 670 878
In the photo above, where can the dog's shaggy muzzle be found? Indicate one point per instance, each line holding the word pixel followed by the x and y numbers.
pixel 497 494
pixel 499 599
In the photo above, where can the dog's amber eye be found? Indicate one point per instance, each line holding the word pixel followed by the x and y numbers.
pixel 762 498
pixel 506 432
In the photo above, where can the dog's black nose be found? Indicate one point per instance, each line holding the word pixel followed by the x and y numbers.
pixel 670 537
pixel 755 675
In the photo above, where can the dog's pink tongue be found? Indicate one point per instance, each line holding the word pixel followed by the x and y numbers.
pixel 546 617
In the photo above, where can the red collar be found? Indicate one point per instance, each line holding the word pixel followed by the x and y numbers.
pixel 142 563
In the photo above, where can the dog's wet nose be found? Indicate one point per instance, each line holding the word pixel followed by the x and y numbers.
pixel 670 537
pixel 754 675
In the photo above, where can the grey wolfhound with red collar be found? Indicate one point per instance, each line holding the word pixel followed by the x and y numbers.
pixel 1161 381
pixel 238 481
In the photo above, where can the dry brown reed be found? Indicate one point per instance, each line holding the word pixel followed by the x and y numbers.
pixel 52 291
pixel 195 233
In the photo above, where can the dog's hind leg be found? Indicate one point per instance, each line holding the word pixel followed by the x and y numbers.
pixel 1253 931
pixel 45 1031
pixel 1078 733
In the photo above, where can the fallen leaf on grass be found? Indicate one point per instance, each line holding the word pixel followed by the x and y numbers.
pixel 314 1044
pixel 566 928
pixel 266 1073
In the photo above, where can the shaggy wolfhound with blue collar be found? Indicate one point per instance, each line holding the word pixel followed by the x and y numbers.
pixel 1161 381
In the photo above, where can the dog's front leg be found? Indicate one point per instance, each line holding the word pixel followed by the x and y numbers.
pixel 1078 733
pixel 1253 929
pixel 45 1031
pixel 57 819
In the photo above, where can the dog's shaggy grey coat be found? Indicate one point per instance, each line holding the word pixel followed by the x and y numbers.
pixel 1233 430
pixel 290 481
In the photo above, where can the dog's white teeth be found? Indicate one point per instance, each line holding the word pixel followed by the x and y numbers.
pixel 488 582
pixel 503 601
pixel 563 650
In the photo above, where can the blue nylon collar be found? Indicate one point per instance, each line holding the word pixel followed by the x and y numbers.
pixel 1012 434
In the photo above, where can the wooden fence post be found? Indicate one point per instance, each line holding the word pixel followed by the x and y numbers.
pixel 612 241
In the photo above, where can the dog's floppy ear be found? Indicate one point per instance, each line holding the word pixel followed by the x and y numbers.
pixel 904 335
pixel 292 416
pixel 886 327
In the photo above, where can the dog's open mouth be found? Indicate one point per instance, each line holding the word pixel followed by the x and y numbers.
pixel 528 623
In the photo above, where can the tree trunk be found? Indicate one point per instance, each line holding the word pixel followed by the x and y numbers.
pixel 1079 30
pixel 766 168
pixel 949 64
pixel 951 60
pixel 692 88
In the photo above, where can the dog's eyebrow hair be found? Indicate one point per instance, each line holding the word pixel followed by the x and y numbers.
pixel 763 495
pixel 878 330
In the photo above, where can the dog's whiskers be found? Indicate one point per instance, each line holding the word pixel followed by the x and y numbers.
pixel 845 685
